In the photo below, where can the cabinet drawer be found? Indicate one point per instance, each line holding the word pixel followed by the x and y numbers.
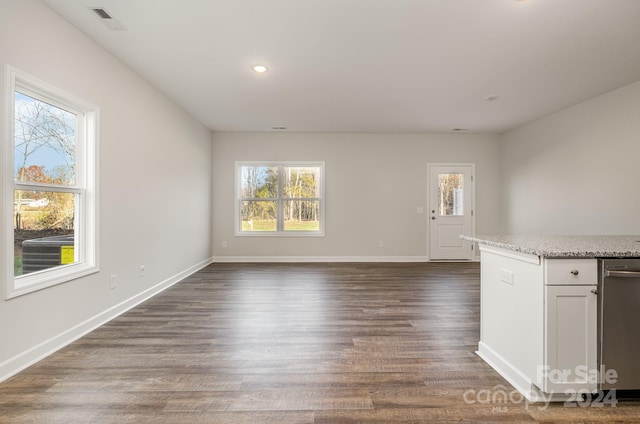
pixel 571 271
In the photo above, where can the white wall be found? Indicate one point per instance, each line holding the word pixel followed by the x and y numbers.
pixel 155 185
pixel 576 171
pixel 382 174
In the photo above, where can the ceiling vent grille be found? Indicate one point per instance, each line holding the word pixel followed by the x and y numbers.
pixel 107 19
pixel 102 14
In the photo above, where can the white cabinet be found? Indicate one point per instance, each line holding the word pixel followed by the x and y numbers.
pixel 539 322
pixel 570 352
pixel 570 326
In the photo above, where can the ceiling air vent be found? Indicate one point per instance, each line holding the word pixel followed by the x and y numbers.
pixel 107 19
pixel 102 13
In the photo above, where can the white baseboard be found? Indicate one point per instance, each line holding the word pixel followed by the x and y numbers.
pixel 510 373
pixel 29 357
pixel 302 259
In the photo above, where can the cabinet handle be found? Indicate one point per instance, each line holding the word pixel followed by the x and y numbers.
pixel 595 291
pixel 575 272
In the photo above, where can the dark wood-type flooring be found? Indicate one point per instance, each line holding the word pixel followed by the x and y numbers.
pixel 288 343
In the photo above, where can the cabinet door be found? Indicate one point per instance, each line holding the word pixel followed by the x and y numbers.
pixel 570 357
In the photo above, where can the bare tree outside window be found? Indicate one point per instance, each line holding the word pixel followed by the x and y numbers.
pixel 301 185
pixel 53 179
pixel 45 157
pixel 450 189
pixel 260 189
pixel 280 198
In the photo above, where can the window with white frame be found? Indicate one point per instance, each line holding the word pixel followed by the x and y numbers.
pixel 50 185
pixel 283 198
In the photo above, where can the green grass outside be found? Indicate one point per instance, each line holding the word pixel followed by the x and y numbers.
pixel 270 225
pixel 302 226
pixel 17 265
pixel 266 225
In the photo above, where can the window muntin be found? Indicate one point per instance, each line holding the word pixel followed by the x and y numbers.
pixel 280 199
pixel 51 150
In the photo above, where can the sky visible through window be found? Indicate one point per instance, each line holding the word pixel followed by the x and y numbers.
pixel 44 136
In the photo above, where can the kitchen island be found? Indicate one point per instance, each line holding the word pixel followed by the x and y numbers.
pixel 539 310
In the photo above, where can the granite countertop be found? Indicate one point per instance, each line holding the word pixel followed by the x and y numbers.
pixel 565 246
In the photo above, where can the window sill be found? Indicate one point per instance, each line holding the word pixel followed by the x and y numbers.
pixel 280 234
pixel 41 280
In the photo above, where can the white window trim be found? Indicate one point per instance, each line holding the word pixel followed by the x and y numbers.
pixel 86 223
pixel 238 199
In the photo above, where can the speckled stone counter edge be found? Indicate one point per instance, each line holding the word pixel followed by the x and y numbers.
pixel 558 246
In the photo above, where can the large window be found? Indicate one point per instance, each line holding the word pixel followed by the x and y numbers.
pixel 285 198
pixel 49 187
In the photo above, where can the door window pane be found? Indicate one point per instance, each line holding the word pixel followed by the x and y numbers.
pixel 450 194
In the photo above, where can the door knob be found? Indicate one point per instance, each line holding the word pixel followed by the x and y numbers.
pixel 595 291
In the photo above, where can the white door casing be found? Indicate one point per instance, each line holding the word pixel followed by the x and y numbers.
pixel 451 206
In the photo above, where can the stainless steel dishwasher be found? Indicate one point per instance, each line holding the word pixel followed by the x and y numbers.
pixel 619 323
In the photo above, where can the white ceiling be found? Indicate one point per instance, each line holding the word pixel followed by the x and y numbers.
pixel 371 65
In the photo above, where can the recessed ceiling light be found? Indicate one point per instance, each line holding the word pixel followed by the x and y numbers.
pixel 260 69
pixel 458 129
pixel 491 98
pixel 278 128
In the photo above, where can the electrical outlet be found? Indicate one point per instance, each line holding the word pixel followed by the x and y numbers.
pixel 141 271
pixel 420 209
pixel 381 243
pixel 224 244
pixel 113 281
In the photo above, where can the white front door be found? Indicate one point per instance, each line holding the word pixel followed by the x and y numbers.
pixel 450 210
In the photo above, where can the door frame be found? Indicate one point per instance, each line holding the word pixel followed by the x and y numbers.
pixel 472 256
